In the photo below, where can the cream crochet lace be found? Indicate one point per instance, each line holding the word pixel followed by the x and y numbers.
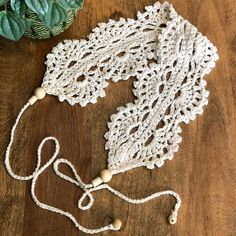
pixel 168 57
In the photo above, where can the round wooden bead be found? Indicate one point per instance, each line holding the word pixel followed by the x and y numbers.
pixel 40 93
pixel 106 175
pixel 117 224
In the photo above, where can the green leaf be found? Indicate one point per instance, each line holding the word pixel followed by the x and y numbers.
pixel 54 16
pixel 39 6
pixel 2 2
pixel 11 26
pixel 71 4
pixel 27 22
pixel 18 6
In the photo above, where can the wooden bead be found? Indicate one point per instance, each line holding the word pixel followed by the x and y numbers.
pixel 172 219
pixel 117 224
pixel 97 181
pixel 106 175
pixel 40 93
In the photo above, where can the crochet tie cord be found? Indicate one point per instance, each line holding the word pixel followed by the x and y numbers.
pixel 168 57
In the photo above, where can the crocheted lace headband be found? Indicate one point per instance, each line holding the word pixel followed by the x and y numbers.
pixel 168 57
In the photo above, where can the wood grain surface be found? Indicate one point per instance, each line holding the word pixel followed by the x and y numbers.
pixel 203 171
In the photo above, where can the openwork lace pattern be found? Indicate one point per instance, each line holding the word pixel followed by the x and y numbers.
pixel 168 57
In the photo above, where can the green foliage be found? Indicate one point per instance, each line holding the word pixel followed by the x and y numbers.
pixel 2 2
pixel 71 4
pixel 55 15
pixel 40 7
pixel 13 26
pixel 14 20
pixel 18 7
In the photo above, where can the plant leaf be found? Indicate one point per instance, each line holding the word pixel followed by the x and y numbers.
pixel 71 4
pixel 18 6
pixel 27 22
pixel 39 6
pixel 2 2
pixel 11 26
pixel 54 16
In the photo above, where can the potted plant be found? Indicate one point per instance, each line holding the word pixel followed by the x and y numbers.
pixel 37 19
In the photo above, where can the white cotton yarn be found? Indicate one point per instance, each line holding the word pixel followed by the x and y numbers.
pixel 168 57
pixel 87 188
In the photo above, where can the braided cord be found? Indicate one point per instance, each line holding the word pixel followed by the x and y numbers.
pixel 87 188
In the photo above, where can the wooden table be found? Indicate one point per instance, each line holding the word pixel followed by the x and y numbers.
pixel 203 172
